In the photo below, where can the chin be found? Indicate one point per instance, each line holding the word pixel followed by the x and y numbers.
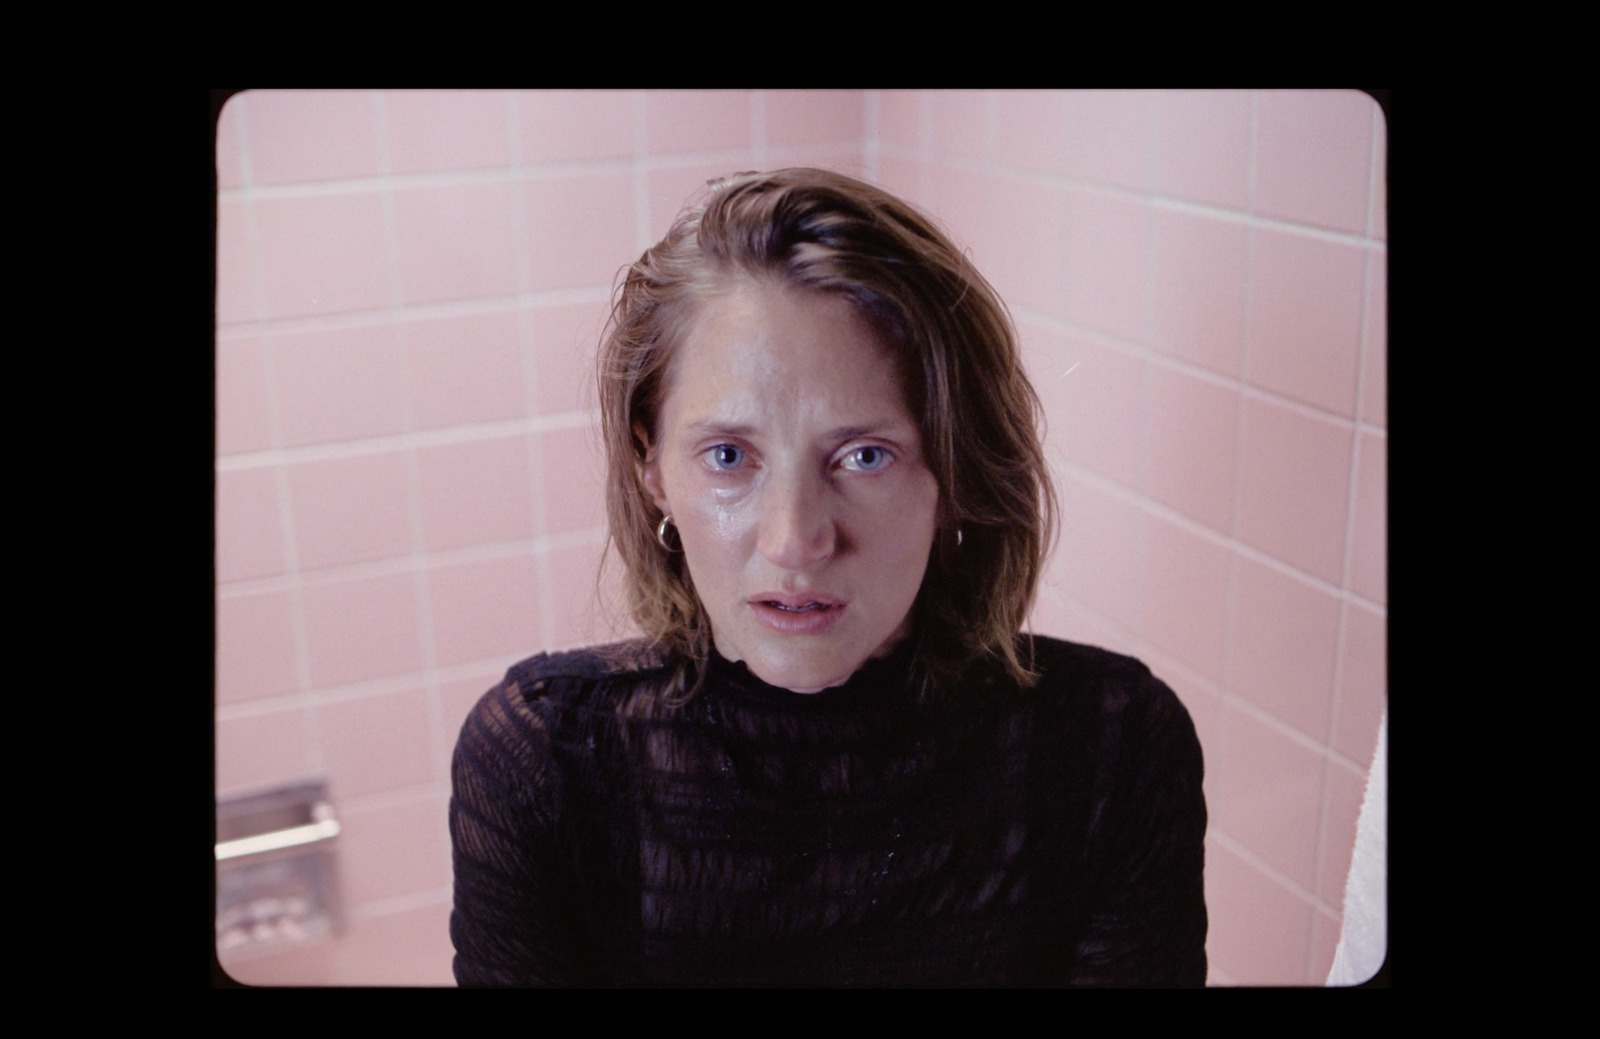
pixel 799 676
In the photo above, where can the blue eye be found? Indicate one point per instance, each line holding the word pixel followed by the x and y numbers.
pixel 726 457
pixel 868 459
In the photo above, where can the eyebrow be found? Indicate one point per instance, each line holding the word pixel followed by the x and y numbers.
pixel 739 429
pixel 713 427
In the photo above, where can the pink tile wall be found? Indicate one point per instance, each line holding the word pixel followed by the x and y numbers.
pixel 1199 278
pixel 410 288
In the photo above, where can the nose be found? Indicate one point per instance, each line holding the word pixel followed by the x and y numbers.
pixel 797 523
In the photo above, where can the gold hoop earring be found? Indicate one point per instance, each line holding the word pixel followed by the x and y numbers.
pixel 661 534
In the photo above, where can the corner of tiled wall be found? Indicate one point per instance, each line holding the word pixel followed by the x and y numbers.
pixel 410 288
pixel 1198 278
pixel 411 285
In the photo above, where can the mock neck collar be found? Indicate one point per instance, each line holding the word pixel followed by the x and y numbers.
pixel 878 681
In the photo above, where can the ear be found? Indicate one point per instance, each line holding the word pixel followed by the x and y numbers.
pixel 650 468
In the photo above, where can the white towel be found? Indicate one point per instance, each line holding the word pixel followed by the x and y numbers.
pixel 1364 936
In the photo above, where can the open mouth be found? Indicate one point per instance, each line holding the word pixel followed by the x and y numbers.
pixel 798 615
pixel 801 608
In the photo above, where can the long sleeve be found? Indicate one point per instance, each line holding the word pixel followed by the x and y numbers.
pixel 514 921
pixel 860 836
pixel 1146 922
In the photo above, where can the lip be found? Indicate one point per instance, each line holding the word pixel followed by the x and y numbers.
pixel 797 614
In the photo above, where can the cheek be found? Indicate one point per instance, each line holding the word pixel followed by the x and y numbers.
pixel 901 532
pixel 716 530
pixel 916 511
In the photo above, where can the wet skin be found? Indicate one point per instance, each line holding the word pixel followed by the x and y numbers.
pixel 793 471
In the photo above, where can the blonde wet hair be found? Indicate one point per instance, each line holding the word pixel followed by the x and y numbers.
pixel 957 353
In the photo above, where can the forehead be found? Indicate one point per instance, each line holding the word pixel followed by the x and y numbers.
pixel 761 348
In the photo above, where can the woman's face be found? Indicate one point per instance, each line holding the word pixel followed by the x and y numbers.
pixel 788 461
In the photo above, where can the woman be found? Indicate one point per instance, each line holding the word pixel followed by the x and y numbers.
pixel 833 759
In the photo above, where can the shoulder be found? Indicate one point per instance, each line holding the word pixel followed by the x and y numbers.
pixel 1054 658
pixel 1127 731
pixel 1117 690
pixel 522 735
pixel 1073 668
pixel 540 697
pixel 536 676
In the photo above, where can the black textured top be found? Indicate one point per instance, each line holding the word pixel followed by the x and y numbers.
pixel 852 837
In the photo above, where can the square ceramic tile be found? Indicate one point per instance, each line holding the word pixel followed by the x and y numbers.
pixel 1269 795
pixel 900 121
pixel 566 343
pixel 1197 290
pixel 848 158
pixel 1313 156
pixel 1369 548
pixel 255 646
pixel 388 850
pixel 350 510
pixel 1345 789
pixel 244 413
pixel 239 296
pixel 465 369
pixel 959 123
pixel 1044 361
pixel 697 120
pixel 323 254
pixel 455 242
pixel 376 743
pixel 1324 943
pixel 479 492
pixel 1283 647
pixel 1193 446
pixel 338 384
pixel 1100 560
pixel 1304 327
pixel 588 607
pixel 1203 146
pixel 572 462
pixel 580 229
pixel 1107 258
pixel 567 125
pixel 436 130
pixel 1375 342
pixel 1026 259
pixel 1110 136
pixel 1363 683
pixel 263 749
pixel 1185 598
pixel 313 964
pixel 1088 627
pixel 408 948
pixel 670 189
pixel 485 609
pixel 229 139
pixel 1095 400
pixel 1050 614
pixel 1260 930
pixel 1294 487
pixel 249 531
pixel 1378 210
pixel 901 177
pixel 814 116
pixel 304 136
pixel 362 628
pixel 975 209
pixel 1031 130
